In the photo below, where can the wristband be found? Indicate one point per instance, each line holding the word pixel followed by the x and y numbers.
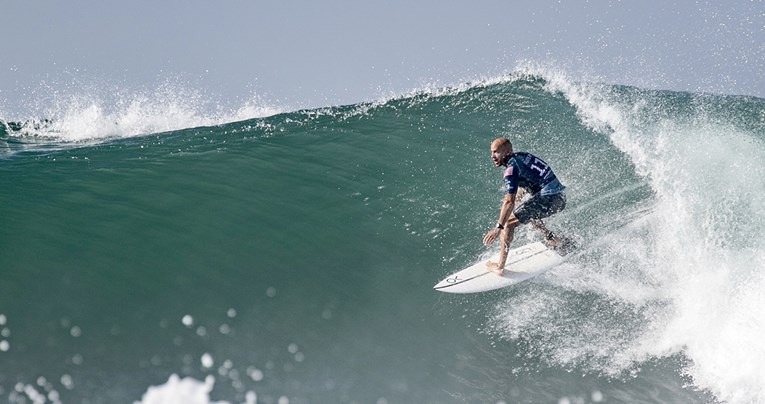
pixel 499 226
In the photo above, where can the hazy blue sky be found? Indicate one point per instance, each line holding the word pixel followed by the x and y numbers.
pixel 315 53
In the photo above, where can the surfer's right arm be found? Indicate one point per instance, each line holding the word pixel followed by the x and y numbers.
pixel 504 214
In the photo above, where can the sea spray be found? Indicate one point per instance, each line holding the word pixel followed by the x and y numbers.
pixel 702 250
pixel 94 115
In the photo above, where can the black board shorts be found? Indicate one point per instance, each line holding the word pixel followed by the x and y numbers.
pixel 540 206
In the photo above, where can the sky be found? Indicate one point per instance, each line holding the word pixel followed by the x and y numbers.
pixel 329 52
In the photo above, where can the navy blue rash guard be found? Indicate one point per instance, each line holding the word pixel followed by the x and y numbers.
pixel 532 173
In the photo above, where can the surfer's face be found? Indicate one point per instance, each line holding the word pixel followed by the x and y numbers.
pixel 499 153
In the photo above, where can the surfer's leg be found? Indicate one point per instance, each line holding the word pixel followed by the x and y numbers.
pixel 539 207
pixel 546 233
pixel 562 244
pixel 508 233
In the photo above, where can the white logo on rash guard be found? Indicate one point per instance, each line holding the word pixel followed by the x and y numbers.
pixel 540 166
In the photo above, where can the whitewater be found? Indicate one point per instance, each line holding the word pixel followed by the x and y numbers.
pixel 260 253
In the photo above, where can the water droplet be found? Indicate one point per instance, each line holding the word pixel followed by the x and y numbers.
pixel 67 381
pixel 207 361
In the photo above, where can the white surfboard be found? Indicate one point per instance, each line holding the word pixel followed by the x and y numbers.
pixel 522 263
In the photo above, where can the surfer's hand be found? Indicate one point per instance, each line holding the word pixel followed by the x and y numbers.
pixel 494 267
pixel 491 236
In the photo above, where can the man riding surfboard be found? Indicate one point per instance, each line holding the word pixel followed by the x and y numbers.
pixel 524 172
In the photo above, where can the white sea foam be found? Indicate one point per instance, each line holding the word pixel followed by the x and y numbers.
pixel 186 391
pixel 181 391
pixel 96 114
pixel 689 278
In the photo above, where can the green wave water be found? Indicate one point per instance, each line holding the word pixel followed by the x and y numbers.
pixel 291 258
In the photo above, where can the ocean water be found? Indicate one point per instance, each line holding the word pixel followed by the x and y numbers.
pixel 152 253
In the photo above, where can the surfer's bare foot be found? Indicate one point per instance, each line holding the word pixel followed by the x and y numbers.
pixel 494 267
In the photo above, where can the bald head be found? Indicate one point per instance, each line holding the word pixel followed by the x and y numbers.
pixel 501 149
pixel 502 143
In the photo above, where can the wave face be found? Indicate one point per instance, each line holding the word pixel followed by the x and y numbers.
pixel 291 257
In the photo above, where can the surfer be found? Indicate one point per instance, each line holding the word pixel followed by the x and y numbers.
pixel 524 172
